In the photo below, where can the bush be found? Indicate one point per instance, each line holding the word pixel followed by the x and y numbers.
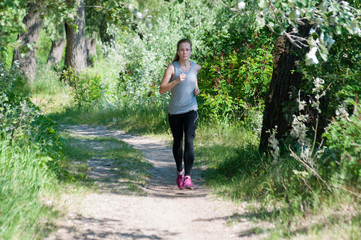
pixel 47 81
pixel 344 142
pixel 87 88
pixel 30 154
pixel 235 84
pixel 23 123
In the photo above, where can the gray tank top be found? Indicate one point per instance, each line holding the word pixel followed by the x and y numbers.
pixel 183 99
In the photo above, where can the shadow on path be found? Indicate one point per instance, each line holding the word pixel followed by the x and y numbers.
pixel 164 212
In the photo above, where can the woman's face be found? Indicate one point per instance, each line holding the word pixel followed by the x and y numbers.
pixel 184 51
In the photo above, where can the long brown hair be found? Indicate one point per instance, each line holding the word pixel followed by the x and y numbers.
pixel 176 57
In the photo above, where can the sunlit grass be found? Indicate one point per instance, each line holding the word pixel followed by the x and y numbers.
pixel 25 184
pixel 129 169
pixel 48 92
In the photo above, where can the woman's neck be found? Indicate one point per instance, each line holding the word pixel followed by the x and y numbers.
pixel 184 63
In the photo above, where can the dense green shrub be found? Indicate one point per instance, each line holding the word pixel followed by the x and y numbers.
pixel 235 84
pixel 87 88
pixel 232 57
pixel 23 122
pixel 30 155
pixel 344 142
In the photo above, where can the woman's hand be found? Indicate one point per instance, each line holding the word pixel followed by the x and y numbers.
pixel 196 92
pixel 181 77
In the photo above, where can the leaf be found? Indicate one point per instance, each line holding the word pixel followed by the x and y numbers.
pixel 323 52
pixel 294 15
pixel 260 21
pixel 262 4
pixel 304 2
pixel 311 57
pixel 111 4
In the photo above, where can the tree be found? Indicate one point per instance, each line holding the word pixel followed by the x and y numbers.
pixel 310 28
pixel 25 55
pixel 91 48
pixel 76 53
pixel 11 24
pixel 57 46
pixel 286 81
pixel 306 29
pixel 24 19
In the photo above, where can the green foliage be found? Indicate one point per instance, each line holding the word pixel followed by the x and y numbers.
pixel 25 180
pixel 11 23
pixel 341 73
pixel 12 14
pixel 43 49
pixel 234 84
pixel 241 64
pixel 23 122
pixel 327 18
pixel 47 82
pixel 87 88
pixel 100 15
pixel 30 155
pixel 344 142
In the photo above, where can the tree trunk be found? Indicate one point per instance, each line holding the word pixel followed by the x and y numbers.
pixel 75 55
pixel 91 48
pixel 105 37
pixel 24 56
pixel 56 51
pixel 281 104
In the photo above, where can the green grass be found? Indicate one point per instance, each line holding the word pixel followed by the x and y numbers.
pixel 132 119
pixel 129 169
pixel 49 93
pixel 24 187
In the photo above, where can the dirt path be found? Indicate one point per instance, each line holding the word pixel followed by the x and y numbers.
pixel 164 213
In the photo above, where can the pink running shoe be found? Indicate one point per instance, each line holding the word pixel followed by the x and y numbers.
pixel 180 179
pixel 188 184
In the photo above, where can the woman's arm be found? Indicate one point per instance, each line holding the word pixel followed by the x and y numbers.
pixel 198 68
pixel 196 90
pixel 165 85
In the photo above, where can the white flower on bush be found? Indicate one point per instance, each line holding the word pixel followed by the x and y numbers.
pixel 272 140
pixel 318 82
pixel 241 5
pixel 341 111
pixel 299 129
pixel 131 7
pixel 139 15
pixel 311 56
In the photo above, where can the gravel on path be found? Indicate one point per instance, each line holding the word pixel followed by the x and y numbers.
pixel 165 212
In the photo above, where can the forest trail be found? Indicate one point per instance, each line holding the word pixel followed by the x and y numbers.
pixel 164 212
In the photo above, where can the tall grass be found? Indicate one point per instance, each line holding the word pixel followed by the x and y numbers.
pixel 48 92
pixel 24 182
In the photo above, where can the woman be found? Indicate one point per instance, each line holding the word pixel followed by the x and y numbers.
pixel 181 78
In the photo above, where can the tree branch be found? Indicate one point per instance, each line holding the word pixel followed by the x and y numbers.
pixel 296 40
pixel 232 9
pixel 309 168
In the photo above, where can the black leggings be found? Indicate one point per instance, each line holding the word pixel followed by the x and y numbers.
pixel 186 122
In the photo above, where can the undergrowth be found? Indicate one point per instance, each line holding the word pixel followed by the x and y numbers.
pixel 30 162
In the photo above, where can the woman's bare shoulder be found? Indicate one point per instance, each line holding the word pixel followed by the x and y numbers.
pixel 170 67
pixel 198 67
